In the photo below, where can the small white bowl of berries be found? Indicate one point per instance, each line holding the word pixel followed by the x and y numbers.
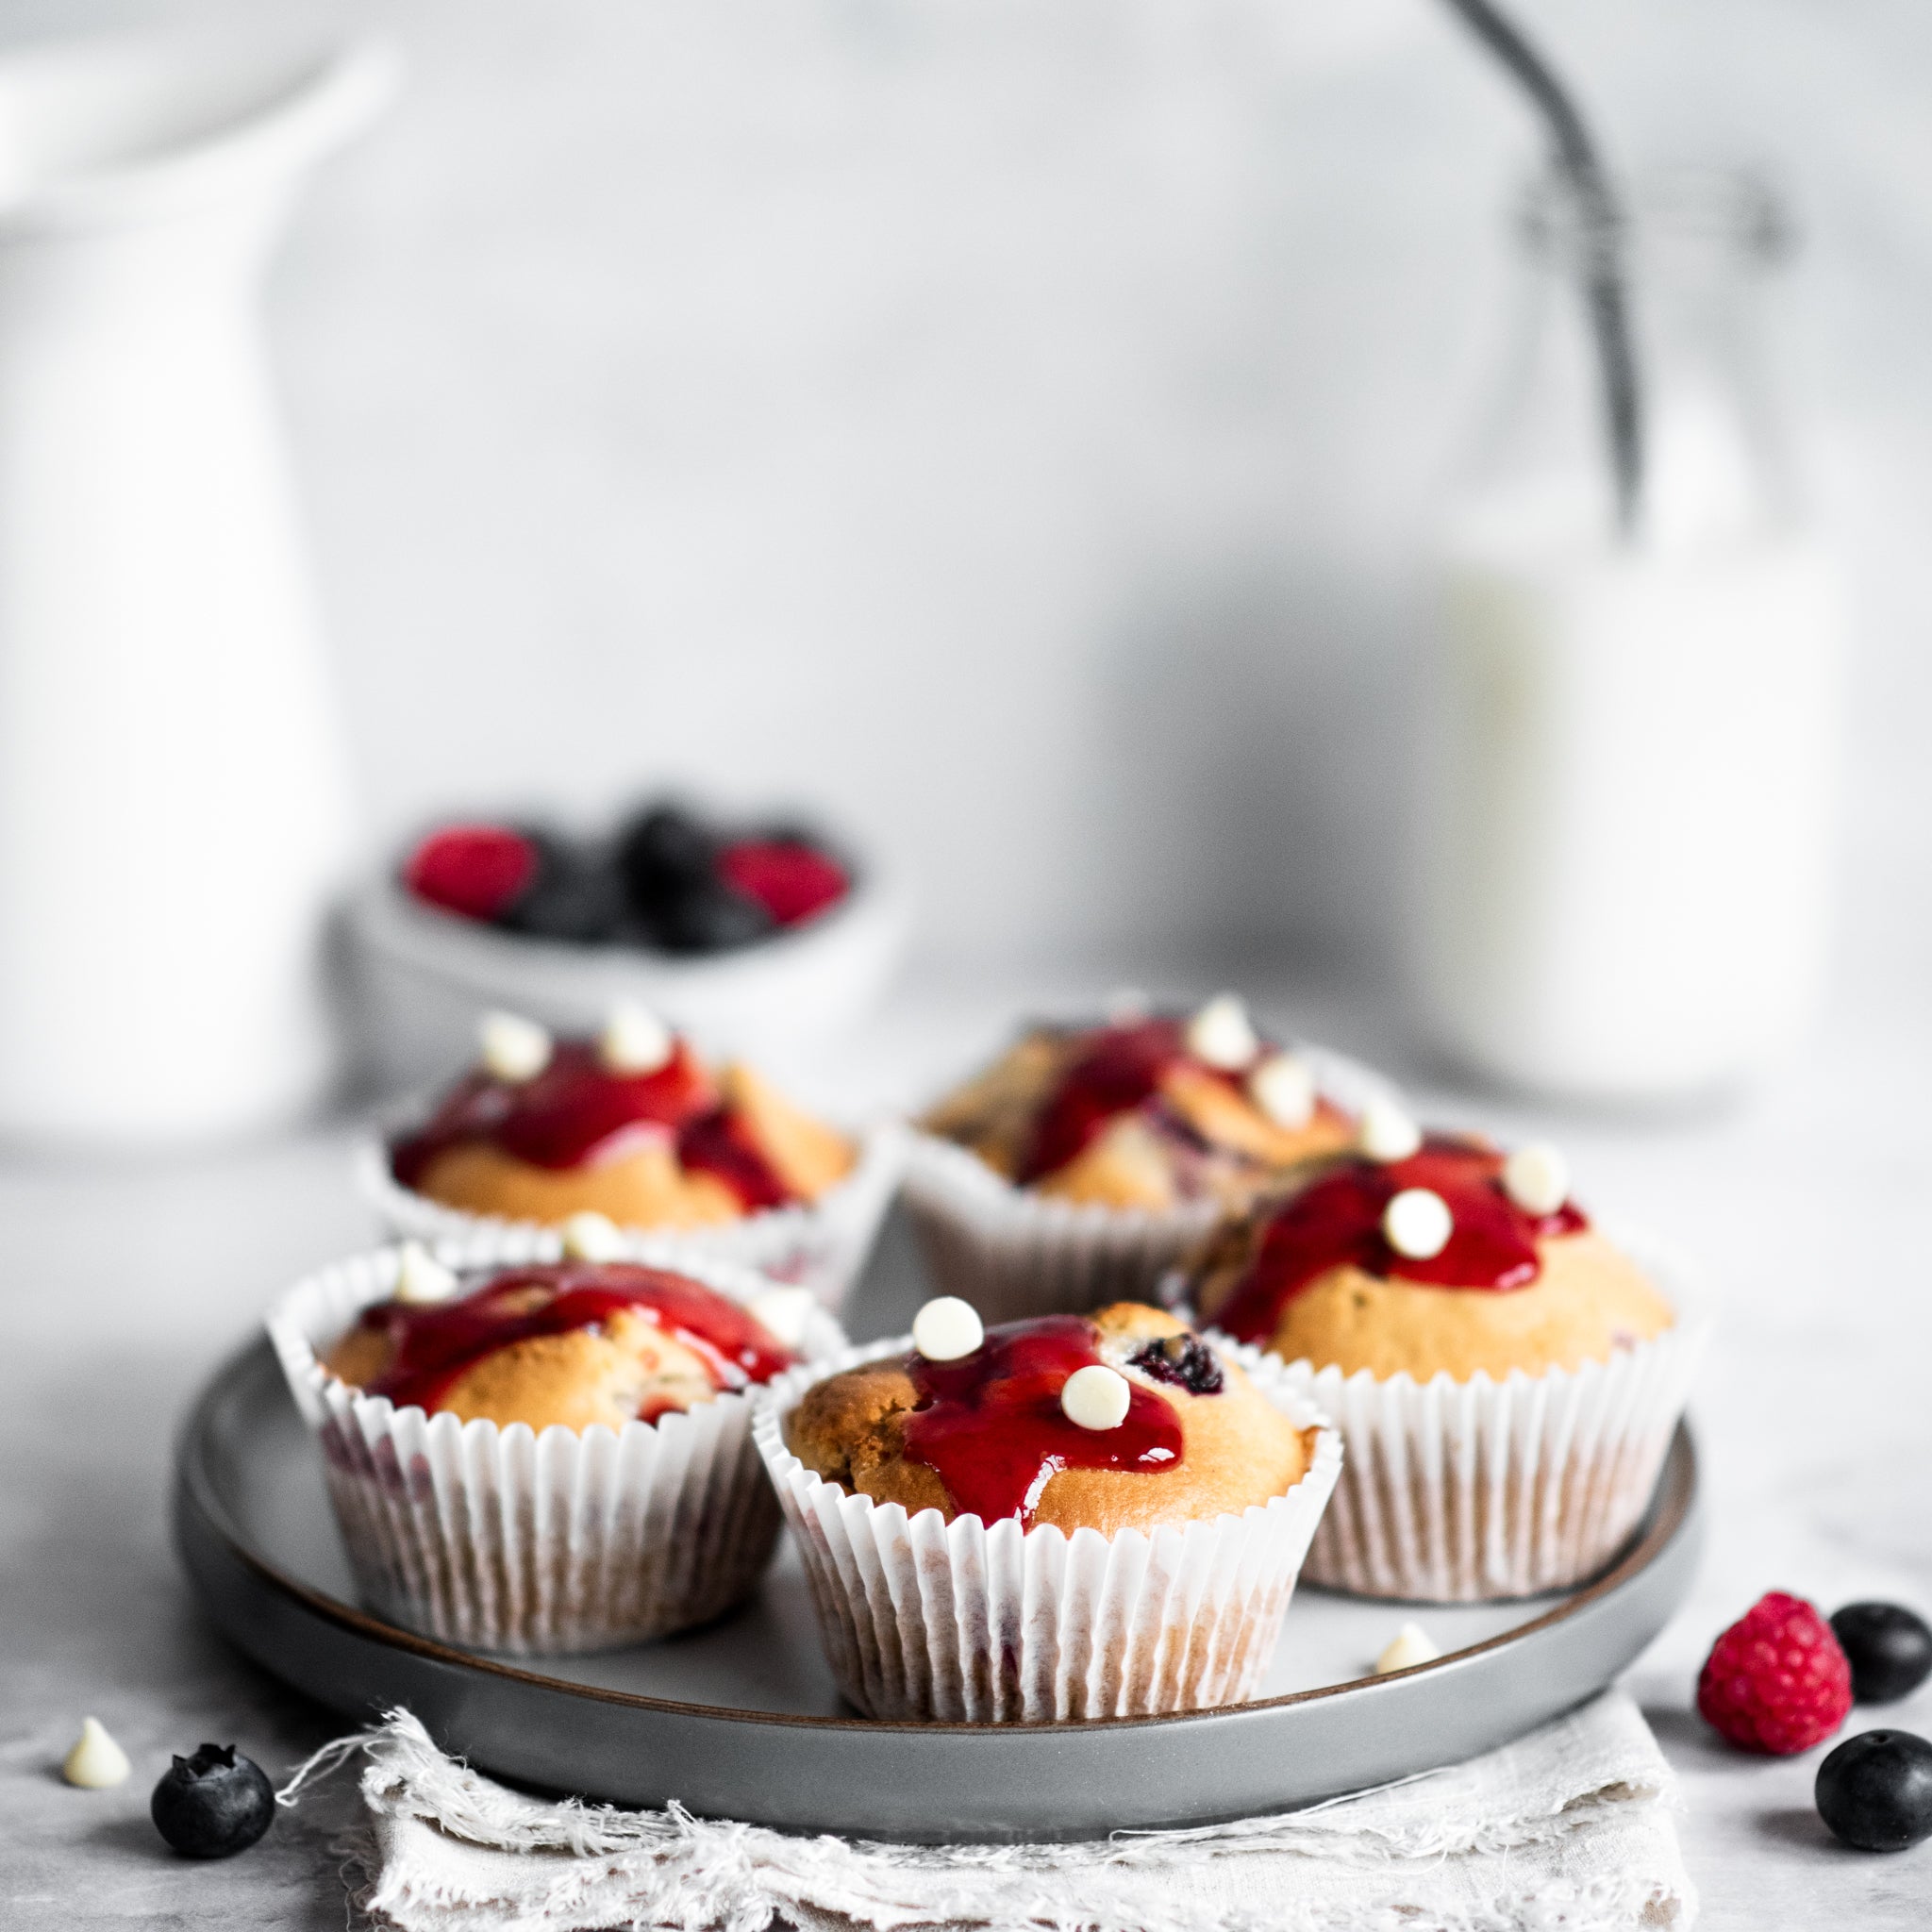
pixel 758 937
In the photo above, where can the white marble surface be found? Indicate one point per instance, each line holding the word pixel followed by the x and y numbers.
pixel 124 1285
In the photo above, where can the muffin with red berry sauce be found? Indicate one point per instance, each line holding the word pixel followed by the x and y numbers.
pixel 1507 1379
pixel 1068 1517
pixel 543 1445
pixel 1086 1159
pixel 634 1125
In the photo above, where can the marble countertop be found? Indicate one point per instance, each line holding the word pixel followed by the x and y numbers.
pixel 127 1282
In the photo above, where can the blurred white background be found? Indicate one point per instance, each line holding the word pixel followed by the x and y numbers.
pixel 1011 423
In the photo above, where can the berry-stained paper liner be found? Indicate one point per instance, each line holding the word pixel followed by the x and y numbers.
pixel 823 1245
pixel 1467 1491
pixel 924 1620
pixel 508 1540
pixel 1013 1253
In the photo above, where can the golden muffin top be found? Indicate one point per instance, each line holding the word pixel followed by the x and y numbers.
pixel 1145 1111
pixel 564 1342
pixel 1121 1419
pixel 631 1125
pixel 1449 1259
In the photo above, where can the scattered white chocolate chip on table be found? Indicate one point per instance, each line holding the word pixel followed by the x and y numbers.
pixel 1418 1223
pixel 588 1236
pixel 1386 1133
pixel 1096 1397
pixel 1283 1086
pixel 1537 1178
pixel 782 1313
pixel 1410 1646
pixel 96 1763
pixel 1222 1034
pixel 635 1040
pixel 420 1277
pixel 948 1328
pixel 514 1049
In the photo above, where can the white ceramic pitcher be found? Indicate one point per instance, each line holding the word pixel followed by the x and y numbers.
pixel 173 811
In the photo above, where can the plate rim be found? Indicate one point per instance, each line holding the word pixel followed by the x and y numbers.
pixel 1671 1510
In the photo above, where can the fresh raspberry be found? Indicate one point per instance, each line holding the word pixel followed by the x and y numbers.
pixel 474 870
pixel 789 879
pixel 1776 1681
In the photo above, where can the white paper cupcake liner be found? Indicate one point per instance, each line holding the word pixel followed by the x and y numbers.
pixel 1467 1491
pixel 509 1540
pixel 926 1619
pixel 1014 1254
pixel 821 1247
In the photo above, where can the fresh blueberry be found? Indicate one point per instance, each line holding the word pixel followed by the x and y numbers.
pixel 576 897
pixel 662 854
pixel 708 917
pixel 1889 1648
pixel 214 1804
pixel 1876 1791
pixel 1185 1360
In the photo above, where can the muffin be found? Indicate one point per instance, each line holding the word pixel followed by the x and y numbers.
pixel 1068 1517
pixel 538 1448
pixel 1506 1377
pixel 1086 1159
pixel 634 1125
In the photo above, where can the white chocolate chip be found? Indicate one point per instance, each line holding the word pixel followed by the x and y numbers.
pixel 1096 1397
pixel 96 1763
pixel 1537 1178
pixel 420 1277
pixel 1410 1646
pixel 1386 1133
pixel 948 1328
pixel 1283 1087
pixel 635 1040
pixel 1418 1223
pixel 1222 1034
pixel 783 1312
pixel 514 1049
pixel 588 1236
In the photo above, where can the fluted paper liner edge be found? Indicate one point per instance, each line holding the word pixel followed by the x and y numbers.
pixel 512 1540
pixel 926 1619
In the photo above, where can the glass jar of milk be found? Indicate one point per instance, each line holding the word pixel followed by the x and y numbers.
pixel 1632 727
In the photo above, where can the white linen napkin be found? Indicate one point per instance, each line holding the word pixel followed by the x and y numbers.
pixel 1566 1828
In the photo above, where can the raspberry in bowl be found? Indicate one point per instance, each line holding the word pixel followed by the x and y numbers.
pixel 632 1124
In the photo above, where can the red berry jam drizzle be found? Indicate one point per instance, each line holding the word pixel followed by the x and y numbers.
pixel 576 1112
pixel 1337 1222
pixel 436 1342
pixel 991 1426
pixel 1116 1070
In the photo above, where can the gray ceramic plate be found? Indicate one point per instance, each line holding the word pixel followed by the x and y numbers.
pixel 742 1721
